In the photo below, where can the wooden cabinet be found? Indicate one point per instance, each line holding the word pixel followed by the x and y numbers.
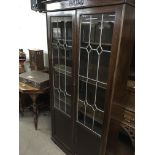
pixel 89 59
pixel 61 43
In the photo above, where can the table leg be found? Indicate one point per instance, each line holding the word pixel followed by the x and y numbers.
pixel 35 109
pixel 21 110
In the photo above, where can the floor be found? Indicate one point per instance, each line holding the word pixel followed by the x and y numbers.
pixel 32 142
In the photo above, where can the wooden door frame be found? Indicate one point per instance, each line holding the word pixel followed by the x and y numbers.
pixel 71 13
pixel 117 9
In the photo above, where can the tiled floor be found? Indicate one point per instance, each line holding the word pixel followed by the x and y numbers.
pixel 32 142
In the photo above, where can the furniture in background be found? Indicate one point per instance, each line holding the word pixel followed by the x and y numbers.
pixel 22 59
pixel 89 45
pixel 33 83
pixel 33 93
pixel 36 59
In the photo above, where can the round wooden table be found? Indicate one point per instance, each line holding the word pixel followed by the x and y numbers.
pixel 33 93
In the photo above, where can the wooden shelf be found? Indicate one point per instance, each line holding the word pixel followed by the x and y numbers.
pixel 93 43
pixel 61 69
pixel 93 82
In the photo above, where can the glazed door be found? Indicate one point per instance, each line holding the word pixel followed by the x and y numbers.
pixel 97 47
pixel 60 44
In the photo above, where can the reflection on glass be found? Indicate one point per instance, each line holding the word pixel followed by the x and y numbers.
pixel 81 112
pixel 61 34
pixel 93 59
pixel 62 82
pixel 56 79
pixel 55 55
pixel 82 90
pixel 68 104
pixel 98 121
pixel 94 56
pixel 100 98
pixel 56 98
pixel 90 94
pixel 83 62
pixel 88 117
pixel 104 67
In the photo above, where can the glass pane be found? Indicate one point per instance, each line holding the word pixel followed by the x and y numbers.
pixel 100 98
pixel 95 28
pixel 68 104
pixel 62 56
pixel 61 25
pixel 93 60
pixel 62 61
pixel 89 116
pixel 69 31
pixel 98 121
pixel 62 82
pixel 55 32
pixel 90 93
pixel 56 98
pixel 104 67
pixel 56 102
pixel 69 58
pixel 108 25
pixel 62 106
pixel 55 55
pixel 81 112
pixel 83 62
pixel 68 85
pixel 85 28
pixel 94 57
pixel 82 90
pixel 56 79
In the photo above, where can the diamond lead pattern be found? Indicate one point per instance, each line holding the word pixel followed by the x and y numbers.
pixel 62 98
pixel 99 49
pixel 93 39
pixel 89 48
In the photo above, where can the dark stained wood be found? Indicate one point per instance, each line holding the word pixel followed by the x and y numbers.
pixel 86 142
pixel 125 53
pixel 57 116
pixel 122 68
pixel 131 2
pixel 74 87
pixel 111 81
pixel 76 139
pixel 62 124
pixel 115 46
pixel 119 145
pixel 63 5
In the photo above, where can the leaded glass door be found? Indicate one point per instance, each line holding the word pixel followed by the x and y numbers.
pixel 96 28
pixel 60 55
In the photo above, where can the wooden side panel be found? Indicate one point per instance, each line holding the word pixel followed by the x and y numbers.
pixel 125 54
pixel 114 50
pixel 118 115
pixel 123 145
